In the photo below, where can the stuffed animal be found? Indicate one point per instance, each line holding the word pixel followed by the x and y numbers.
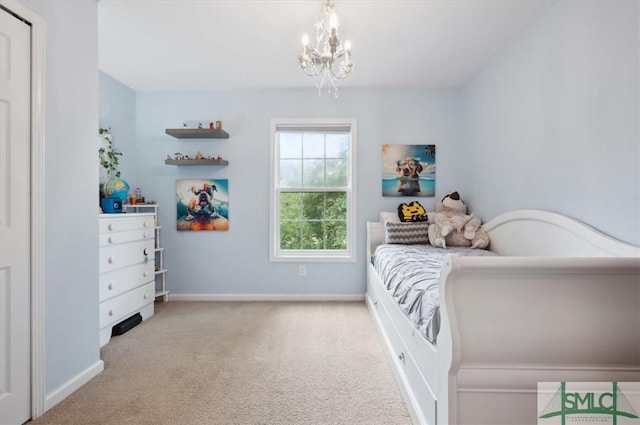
pixel 451 226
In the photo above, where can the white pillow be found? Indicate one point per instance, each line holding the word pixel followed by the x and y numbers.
pixel 389 217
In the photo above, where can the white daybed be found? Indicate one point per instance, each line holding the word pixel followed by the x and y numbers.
pixel 561 302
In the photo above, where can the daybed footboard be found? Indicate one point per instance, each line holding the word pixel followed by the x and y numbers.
pixel 562 304
pixel 510 322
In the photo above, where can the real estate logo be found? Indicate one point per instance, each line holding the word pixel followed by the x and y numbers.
pixel 616 403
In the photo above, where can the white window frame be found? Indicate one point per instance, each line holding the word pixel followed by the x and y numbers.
pixel 338 256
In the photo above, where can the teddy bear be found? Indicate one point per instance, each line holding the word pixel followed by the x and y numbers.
pixel 452 226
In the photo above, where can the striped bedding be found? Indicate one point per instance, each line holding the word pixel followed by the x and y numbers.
pixel 410 273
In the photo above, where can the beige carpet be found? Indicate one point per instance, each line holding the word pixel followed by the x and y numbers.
pixel 242 363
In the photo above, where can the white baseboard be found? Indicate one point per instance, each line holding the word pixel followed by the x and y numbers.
pixel 69 387
pixel 266 297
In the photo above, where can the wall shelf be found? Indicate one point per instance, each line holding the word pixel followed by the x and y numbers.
pixel 196 162
pixel 197 133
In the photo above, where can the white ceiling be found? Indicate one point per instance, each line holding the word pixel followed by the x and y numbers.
pixel 171 45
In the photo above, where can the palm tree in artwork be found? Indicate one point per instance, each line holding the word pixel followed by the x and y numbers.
pixel 430 150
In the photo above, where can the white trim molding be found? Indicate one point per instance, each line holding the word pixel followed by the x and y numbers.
pixel 38 31
pixel 266 297
pixel 73 384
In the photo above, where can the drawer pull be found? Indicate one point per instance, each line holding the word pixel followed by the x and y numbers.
pixel 146 235
pixel 110 312
pixel 401 357
pixel 375 302
pixel 110 286
pixel 110 227
pixel 145 274
pixel 111 260
pixel 110 240
pixel 146 296
pixel 145 251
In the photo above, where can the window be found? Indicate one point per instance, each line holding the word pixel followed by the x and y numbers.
pixel 313 190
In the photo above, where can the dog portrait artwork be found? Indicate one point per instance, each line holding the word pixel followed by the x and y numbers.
pixel 408 170
pixel 202 204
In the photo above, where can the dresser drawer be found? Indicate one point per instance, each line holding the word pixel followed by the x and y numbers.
pixel 119 308
pixel 122 280
pixel 124 222
pixel 123 255
pixel 113 238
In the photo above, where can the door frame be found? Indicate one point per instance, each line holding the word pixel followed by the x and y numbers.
pixel 37 198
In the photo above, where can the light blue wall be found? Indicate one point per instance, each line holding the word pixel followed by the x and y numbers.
pixel 118 112
pixel 71 182
pixel 553 122
pixel 237 261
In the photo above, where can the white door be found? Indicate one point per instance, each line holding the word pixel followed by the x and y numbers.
pixel 15 197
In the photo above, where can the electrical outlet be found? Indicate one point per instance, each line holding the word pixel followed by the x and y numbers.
pixel 302 270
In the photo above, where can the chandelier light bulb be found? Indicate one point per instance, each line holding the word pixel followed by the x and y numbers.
pixel 333 21
pixel 347 46
pixel 305 40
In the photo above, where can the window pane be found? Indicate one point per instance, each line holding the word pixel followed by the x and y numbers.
pixel 337 145
pixel 312 190
pixel 290 145
pixel 336 170
pixel 313 220
pixel 313 235
pixel 313 206
pixel 290 173
pixel 336 234
pixel 313 173
pixel 336 208
pixel 313 145
pixel 290 206
pixel 290 234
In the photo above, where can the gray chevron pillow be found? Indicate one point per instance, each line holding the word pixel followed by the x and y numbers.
pixel 407 233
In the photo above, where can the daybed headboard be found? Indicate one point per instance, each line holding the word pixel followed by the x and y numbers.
pixel 538 233
pixel 548 234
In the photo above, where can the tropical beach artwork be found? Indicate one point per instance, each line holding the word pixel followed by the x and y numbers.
pixel 408 170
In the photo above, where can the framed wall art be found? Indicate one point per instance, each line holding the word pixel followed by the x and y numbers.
pixel 408 170
pixel 202 204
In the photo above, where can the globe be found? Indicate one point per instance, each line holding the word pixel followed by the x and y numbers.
pixel 117 188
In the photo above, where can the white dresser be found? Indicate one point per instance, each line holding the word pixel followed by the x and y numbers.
pixel 127 279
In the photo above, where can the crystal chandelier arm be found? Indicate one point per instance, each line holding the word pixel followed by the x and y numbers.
pixel 314 69
pixel 343 72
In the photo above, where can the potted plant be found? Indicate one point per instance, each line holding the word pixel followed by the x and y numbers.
pixel 109 155
pixel 111 183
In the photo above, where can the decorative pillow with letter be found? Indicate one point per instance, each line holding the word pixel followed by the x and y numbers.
pixel 412 212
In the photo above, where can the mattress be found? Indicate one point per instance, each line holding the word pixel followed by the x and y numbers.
pixel 410 273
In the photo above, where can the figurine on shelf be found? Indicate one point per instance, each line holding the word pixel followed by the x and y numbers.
pixel 219 125
pixel 219 158
pixel 178 156
pixel 211 126
pixel 199 125
pixel 199 155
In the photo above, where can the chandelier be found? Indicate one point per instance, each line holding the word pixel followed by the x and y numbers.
pixel 329 61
